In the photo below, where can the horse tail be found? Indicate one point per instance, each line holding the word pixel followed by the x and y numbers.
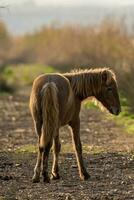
pixel 50 113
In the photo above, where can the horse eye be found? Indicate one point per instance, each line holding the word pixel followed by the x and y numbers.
pixel 109 89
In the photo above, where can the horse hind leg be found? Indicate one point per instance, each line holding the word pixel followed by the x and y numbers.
pixel 46 150
pixel 42 157
pixel 37 169
pixel 56 151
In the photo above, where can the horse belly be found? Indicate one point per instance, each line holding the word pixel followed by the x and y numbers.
pixel 66 107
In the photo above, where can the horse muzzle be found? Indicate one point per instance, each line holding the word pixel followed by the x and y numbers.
pixel 115 110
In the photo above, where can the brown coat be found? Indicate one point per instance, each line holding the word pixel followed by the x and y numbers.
pixel 55 101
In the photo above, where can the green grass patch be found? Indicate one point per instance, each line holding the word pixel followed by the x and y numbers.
pixel 90 104
pixel 65 148
pixel 86 148
pixel 21 75
pixel 92 149
pixel 2 93
pixel 126 117
pixel 29 148
pixel 3 198
pixel 127 120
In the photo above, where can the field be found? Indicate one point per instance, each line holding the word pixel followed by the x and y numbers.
pixel 108 141
pixel 108 152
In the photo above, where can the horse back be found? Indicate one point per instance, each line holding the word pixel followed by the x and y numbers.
pixel 65 94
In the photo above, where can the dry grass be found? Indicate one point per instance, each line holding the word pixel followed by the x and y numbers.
pixel 66 47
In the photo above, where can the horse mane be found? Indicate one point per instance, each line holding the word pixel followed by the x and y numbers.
pixel 81 80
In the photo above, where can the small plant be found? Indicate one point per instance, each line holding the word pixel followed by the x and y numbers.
pixel 5 87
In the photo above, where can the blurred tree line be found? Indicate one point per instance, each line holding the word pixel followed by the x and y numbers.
pixel 5 45
pixel 70 46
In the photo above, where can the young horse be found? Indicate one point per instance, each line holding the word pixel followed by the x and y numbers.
pixel 56 100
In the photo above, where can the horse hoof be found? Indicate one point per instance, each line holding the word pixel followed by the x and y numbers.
pixel 36 179
pixel 46 179
pixel 55 176
pixel 84 176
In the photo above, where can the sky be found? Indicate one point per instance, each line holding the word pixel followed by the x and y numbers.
pixel 65 2
pixel 69 2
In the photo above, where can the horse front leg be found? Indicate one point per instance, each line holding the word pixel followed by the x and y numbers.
pixel 75 125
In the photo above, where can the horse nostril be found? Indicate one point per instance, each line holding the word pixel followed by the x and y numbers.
pixel 118 111
pixel 115 110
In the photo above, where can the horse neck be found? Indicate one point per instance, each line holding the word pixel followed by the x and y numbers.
pixel 84 84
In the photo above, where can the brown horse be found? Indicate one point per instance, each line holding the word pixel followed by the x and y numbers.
pixel 56 100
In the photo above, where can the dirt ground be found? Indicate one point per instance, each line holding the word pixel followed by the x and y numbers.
pixel 108 154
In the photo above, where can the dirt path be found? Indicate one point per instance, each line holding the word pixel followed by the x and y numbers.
pixel 108 154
